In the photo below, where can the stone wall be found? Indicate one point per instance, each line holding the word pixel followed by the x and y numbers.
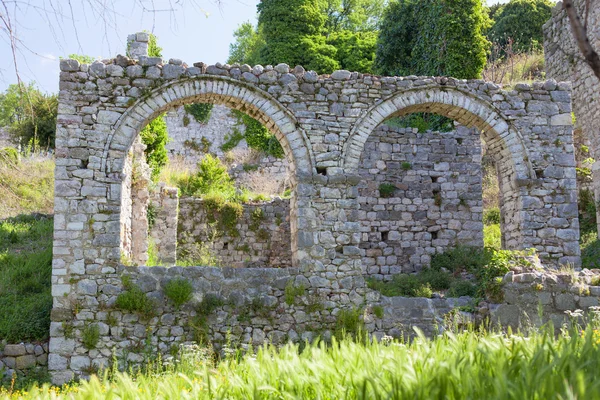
pixel 261 237
pixel 16 358
pixel 164 202
pixel 529 295
pixel 565 62
pixel 437 202
pixel 5 139
pixel 191 139
pixel 322 123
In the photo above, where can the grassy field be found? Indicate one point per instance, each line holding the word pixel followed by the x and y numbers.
pixel 468 365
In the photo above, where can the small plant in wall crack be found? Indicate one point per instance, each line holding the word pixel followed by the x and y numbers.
pixel 134 300
pixel 387 190
pixel 90 335
pixel 179 291
pixel 292 292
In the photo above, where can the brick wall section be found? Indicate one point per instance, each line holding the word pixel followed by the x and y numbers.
pixel 261 242
pixel 437 203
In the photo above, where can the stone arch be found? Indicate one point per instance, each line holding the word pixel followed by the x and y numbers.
pixel 211 89
pixel 503 140
pixel 219 90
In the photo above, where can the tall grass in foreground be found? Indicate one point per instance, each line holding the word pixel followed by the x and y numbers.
pixel 452 366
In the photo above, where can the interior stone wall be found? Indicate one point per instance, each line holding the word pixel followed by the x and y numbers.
pixel 261 237
pixel 437 203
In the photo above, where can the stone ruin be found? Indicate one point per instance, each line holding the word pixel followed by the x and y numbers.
pixel 339 226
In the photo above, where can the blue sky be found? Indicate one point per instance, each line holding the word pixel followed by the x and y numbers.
pixel 198 30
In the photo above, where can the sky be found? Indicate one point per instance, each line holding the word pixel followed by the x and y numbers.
pixel 194 30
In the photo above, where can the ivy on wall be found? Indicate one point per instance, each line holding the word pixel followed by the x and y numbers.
pixel 258 136
pixel 200 111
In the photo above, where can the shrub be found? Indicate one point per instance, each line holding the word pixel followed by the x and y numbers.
pixel 492 236
pixel 378 311
pixel 348 322
pixel 491 216
pixel 387 190
pixel 155 137
pixel 90 336
pixel 209 303
pixel 460 258
pixel 258 136
pixel 292 291
pixel 438 280
pixel 402 285
pixel 134 300
pixel 462 288
pixel 211 177
pixel 179 291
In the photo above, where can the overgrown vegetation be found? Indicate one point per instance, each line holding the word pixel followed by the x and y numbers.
pixel 179 291
pixel 541 365
pixel 200 111
pixel 258 136
pixel 132 299
pixel 155 137
pixel 25 271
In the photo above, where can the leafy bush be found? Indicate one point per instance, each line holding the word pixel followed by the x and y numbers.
pixel 438 280
pixel 258 136
pixel 402 285
pixel 211 177
pixel 134 300
pixel 492 236
pixel 462 288
pixel 179 291
pixel 348 322
pixel 491 216
pixel 460 258
pixel 387 190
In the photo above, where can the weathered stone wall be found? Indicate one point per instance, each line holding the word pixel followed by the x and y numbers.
pixel 437 203
pixel 527 293
pixel 262 234
pixel 5 139
pixel 17 358
pixel 322 123
pixel 565 62
pixel 195 139
pixel 164 206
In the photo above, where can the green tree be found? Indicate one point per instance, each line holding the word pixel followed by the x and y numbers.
pixel 29 115
pixel 396 39
pixel 293 31
pixel 353 15
pixel 155 137
pixel 433 37
pixel 355 50
pixel 520 21
pixel 249 41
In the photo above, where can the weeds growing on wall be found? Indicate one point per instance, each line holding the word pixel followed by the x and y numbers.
pixel 258 136
pixel 132 299
pixel 179 291
pixel 200 111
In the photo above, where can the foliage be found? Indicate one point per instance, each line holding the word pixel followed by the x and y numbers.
pixel 292 292
pixel 258 136
pixel 349 322
pixel 353 15
pixel 224 212
pixel 9 156
pixel 492 236
pixel 211 177
pixel 491 216
pixel 154 50
pixel 155 137
pixel 462 288
pixel 25 272
pixel 132 299
pixel 90 335
pixel 461 258
pixel 200 111
pixel 433 37
pixel 355 50
pixel 232 139
pixel 423 122
pixel 248 43
pixel 179 291
pixel 293 32
pixel 197 254
pixel 436 279
pixel 82 58
pixel 520 21
pixel 26 186
pixel 408 285
pixel 387 190
pixel 540 365
pixel 590 250
pixel 587 212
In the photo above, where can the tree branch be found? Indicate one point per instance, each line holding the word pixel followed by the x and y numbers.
pixel 580 33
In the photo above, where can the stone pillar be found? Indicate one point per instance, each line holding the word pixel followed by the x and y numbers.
pixel 137 45
pixel 164 211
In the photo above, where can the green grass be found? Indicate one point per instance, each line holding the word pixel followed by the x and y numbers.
pixel 467 365
pixel 492 236
pixel 25 271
